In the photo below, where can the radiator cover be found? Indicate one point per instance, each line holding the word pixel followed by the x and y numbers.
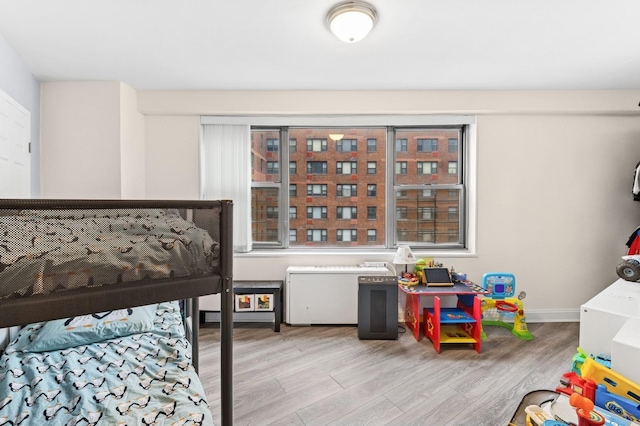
pixel 316 295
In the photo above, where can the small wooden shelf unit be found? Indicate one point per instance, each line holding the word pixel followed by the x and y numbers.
pixel 461 324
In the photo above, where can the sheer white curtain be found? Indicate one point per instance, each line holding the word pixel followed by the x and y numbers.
pixel 226 174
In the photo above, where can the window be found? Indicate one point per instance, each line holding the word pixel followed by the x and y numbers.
pixel 317 190
pixel 426 213
pixel 346 167
pixel 346 190
pixel 371 212
pixel 347 212
pixel 316 235
pixel 402 213
pixel 420 196
pixel 273 167
pixel 427 167
pixel 453 167
pixel 347 145
pixel 317 212
pixel 272 234
pixel 316 145
pixel 452 213
pixel 427 145
pixel 347 235
pixel 272 212
pixel 453 145
pixel 401 167
pixel 371 167
pixel 316 167
pixel 272 145
pixel 401 145
pixel 372 145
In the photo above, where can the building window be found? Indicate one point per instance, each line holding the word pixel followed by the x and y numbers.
pixel 347 212
pixel 347 235
pixel 316 235
pixel 272 212
pixel 371 167
pixel 419 206
pixel 401 167
pixel 371 212
pixel 426 213
pixel 316 212
pixel 272 145
pixel 427 145
pixel 316 145
pixel 293 235
pixel 427 167
pixel 346 190
pixel 316 167
pixel 317 190
pixel 453 167
pixel 452 213
pixel 402 213
pixel 346 167
pixel 273 167
pixel 453 145
pixel 372 145
pixel 347 145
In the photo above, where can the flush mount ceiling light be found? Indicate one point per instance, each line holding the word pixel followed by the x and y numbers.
pixel 351 21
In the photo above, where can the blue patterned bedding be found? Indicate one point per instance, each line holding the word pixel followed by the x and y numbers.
pixel 138 379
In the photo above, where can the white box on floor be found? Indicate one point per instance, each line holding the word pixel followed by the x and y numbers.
pixel 625 350
pixel 602 317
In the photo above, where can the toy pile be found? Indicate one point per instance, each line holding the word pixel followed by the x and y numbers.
pixel 591 394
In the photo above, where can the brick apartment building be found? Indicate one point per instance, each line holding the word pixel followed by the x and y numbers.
pixel 337 186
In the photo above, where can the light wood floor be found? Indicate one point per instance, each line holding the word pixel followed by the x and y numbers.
pixel 323 375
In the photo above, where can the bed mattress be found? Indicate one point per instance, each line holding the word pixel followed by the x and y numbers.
pixel 42 251
pixel 143 378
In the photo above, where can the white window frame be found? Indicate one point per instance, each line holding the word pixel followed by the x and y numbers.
pixel 468 168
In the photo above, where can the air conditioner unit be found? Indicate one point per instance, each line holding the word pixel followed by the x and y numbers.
pixel 325 294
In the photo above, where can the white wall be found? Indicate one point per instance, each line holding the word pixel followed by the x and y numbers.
pixel 554 173
pixel 554 179
pixel 81 137
pixel 132 154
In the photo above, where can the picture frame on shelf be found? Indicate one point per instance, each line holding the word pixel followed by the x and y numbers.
pixel 264 302
pixel 245 302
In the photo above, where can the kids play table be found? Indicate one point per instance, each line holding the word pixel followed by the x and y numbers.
pixel 461 324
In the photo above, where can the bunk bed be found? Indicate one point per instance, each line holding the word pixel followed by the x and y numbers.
pixel 130 279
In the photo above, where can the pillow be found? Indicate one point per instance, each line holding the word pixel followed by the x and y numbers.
pixel 87 329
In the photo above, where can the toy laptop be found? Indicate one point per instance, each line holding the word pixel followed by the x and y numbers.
pixel 437 277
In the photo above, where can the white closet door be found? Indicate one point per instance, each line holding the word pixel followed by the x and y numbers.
pixel 15 162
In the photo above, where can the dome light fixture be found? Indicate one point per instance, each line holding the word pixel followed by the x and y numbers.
pixel 351 21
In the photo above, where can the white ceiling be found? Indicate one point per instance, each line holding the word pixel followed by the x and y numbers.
pixel 285 45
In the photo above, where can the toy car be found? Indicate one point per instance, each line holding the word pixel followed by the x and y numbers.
pixel 629 269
